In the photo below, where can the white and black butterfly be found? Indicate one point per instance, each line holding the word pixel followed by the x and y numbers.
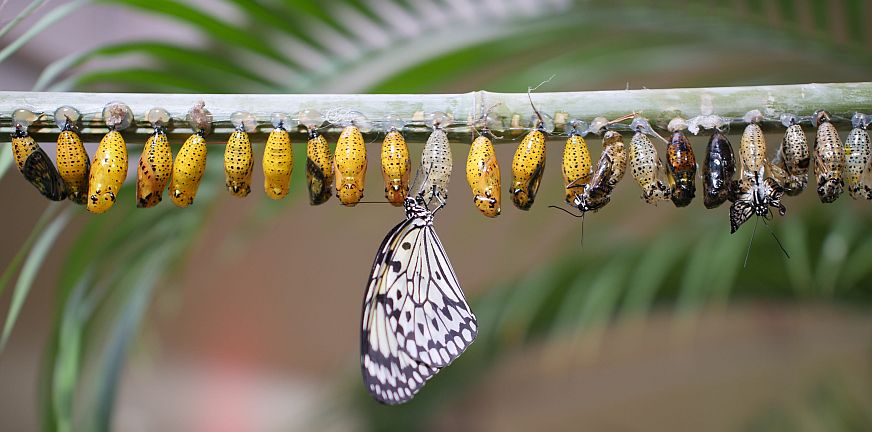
pixel 415 317
pixel 756 195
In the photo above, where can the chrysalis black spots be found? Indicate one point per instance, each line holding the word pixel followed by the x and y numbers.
pixel 73 162
pixel 790 165
pixel 239 156
pixel 34 164
pixel 109 168
pixel 829 159
pixel 436 160
pixel 858 156
pixel 396 165
pixel 645 163
pixel 349 162
pixel 156 162
pixel 190 164
pixel 278 158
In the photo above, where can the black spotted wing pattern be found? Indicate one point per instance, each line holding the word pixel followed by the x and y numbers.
pixel 415 317
pixel 39 170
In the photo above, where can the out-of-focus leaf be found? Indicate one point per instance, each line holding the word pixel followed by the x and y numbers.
pixel 37 229
pixel 26 12
pixel 53 16
pixel 211 26
pixel 41 248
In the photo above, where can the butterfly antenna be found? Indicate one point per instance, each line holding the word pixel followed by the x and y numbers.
pixel 565 211
pixel 748 253
pixel 766 224
pixel 575 216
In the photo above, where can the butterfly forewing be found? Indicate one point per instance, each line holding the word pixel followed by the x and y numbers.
pixel 415 317
pixel 39 171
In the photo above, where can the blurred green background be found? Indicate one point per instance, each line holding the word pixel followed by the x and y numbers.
pixel 243 314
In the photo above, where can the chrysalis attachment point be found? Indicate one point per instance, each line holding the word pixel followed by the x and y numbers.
pixel 243 121
pixel 394 122
pixel 199 118
pixel 66 114
pixel 281 121
pixel 117 116
pixel 789 120
pixel 753 116
pixel 23 118
pixel 439 119
pixel 311 119
pixel 158 117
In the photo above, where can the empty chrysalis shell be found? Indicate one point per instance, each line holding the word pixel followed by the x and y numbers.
pixel 117 116
pixel 281 121
pixel 158 117
pixel 244 121
pixel 23 118
pixel 439 119
pixel 66 114
pixel 199 118
pixel 311 119
pixel 394 122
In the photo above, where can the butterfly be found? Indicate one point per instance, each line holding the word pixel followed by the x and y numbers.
pixel 415 318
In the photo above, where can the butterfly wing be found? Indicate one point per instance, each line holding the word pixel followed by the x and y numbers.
pixel 39 170
pixel 740 212
pixel 415 317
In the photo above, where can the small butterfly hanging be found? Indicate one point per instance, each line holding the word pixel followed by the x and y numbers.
pixel 415 317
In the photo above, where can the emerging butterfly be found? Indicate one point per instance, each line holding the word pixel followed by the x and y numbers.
pixel 415 317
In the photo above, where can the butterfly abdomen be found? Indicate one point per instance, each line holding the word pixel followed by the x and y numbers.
pixel 349 165
pixel 108 172
pixel 395 167
pixel 483 176
pixel 319 169
pixel 278 164
pixel 238 164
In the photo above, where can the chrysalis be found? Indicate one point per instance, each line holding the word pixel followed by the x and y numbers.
pixel 156 161
pixel 73 162
pixel 109 169
pixel 190 163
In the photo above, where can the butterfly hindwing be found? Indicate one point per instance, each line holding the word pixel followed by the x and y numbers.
pixel 39 170
pixel 415 317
